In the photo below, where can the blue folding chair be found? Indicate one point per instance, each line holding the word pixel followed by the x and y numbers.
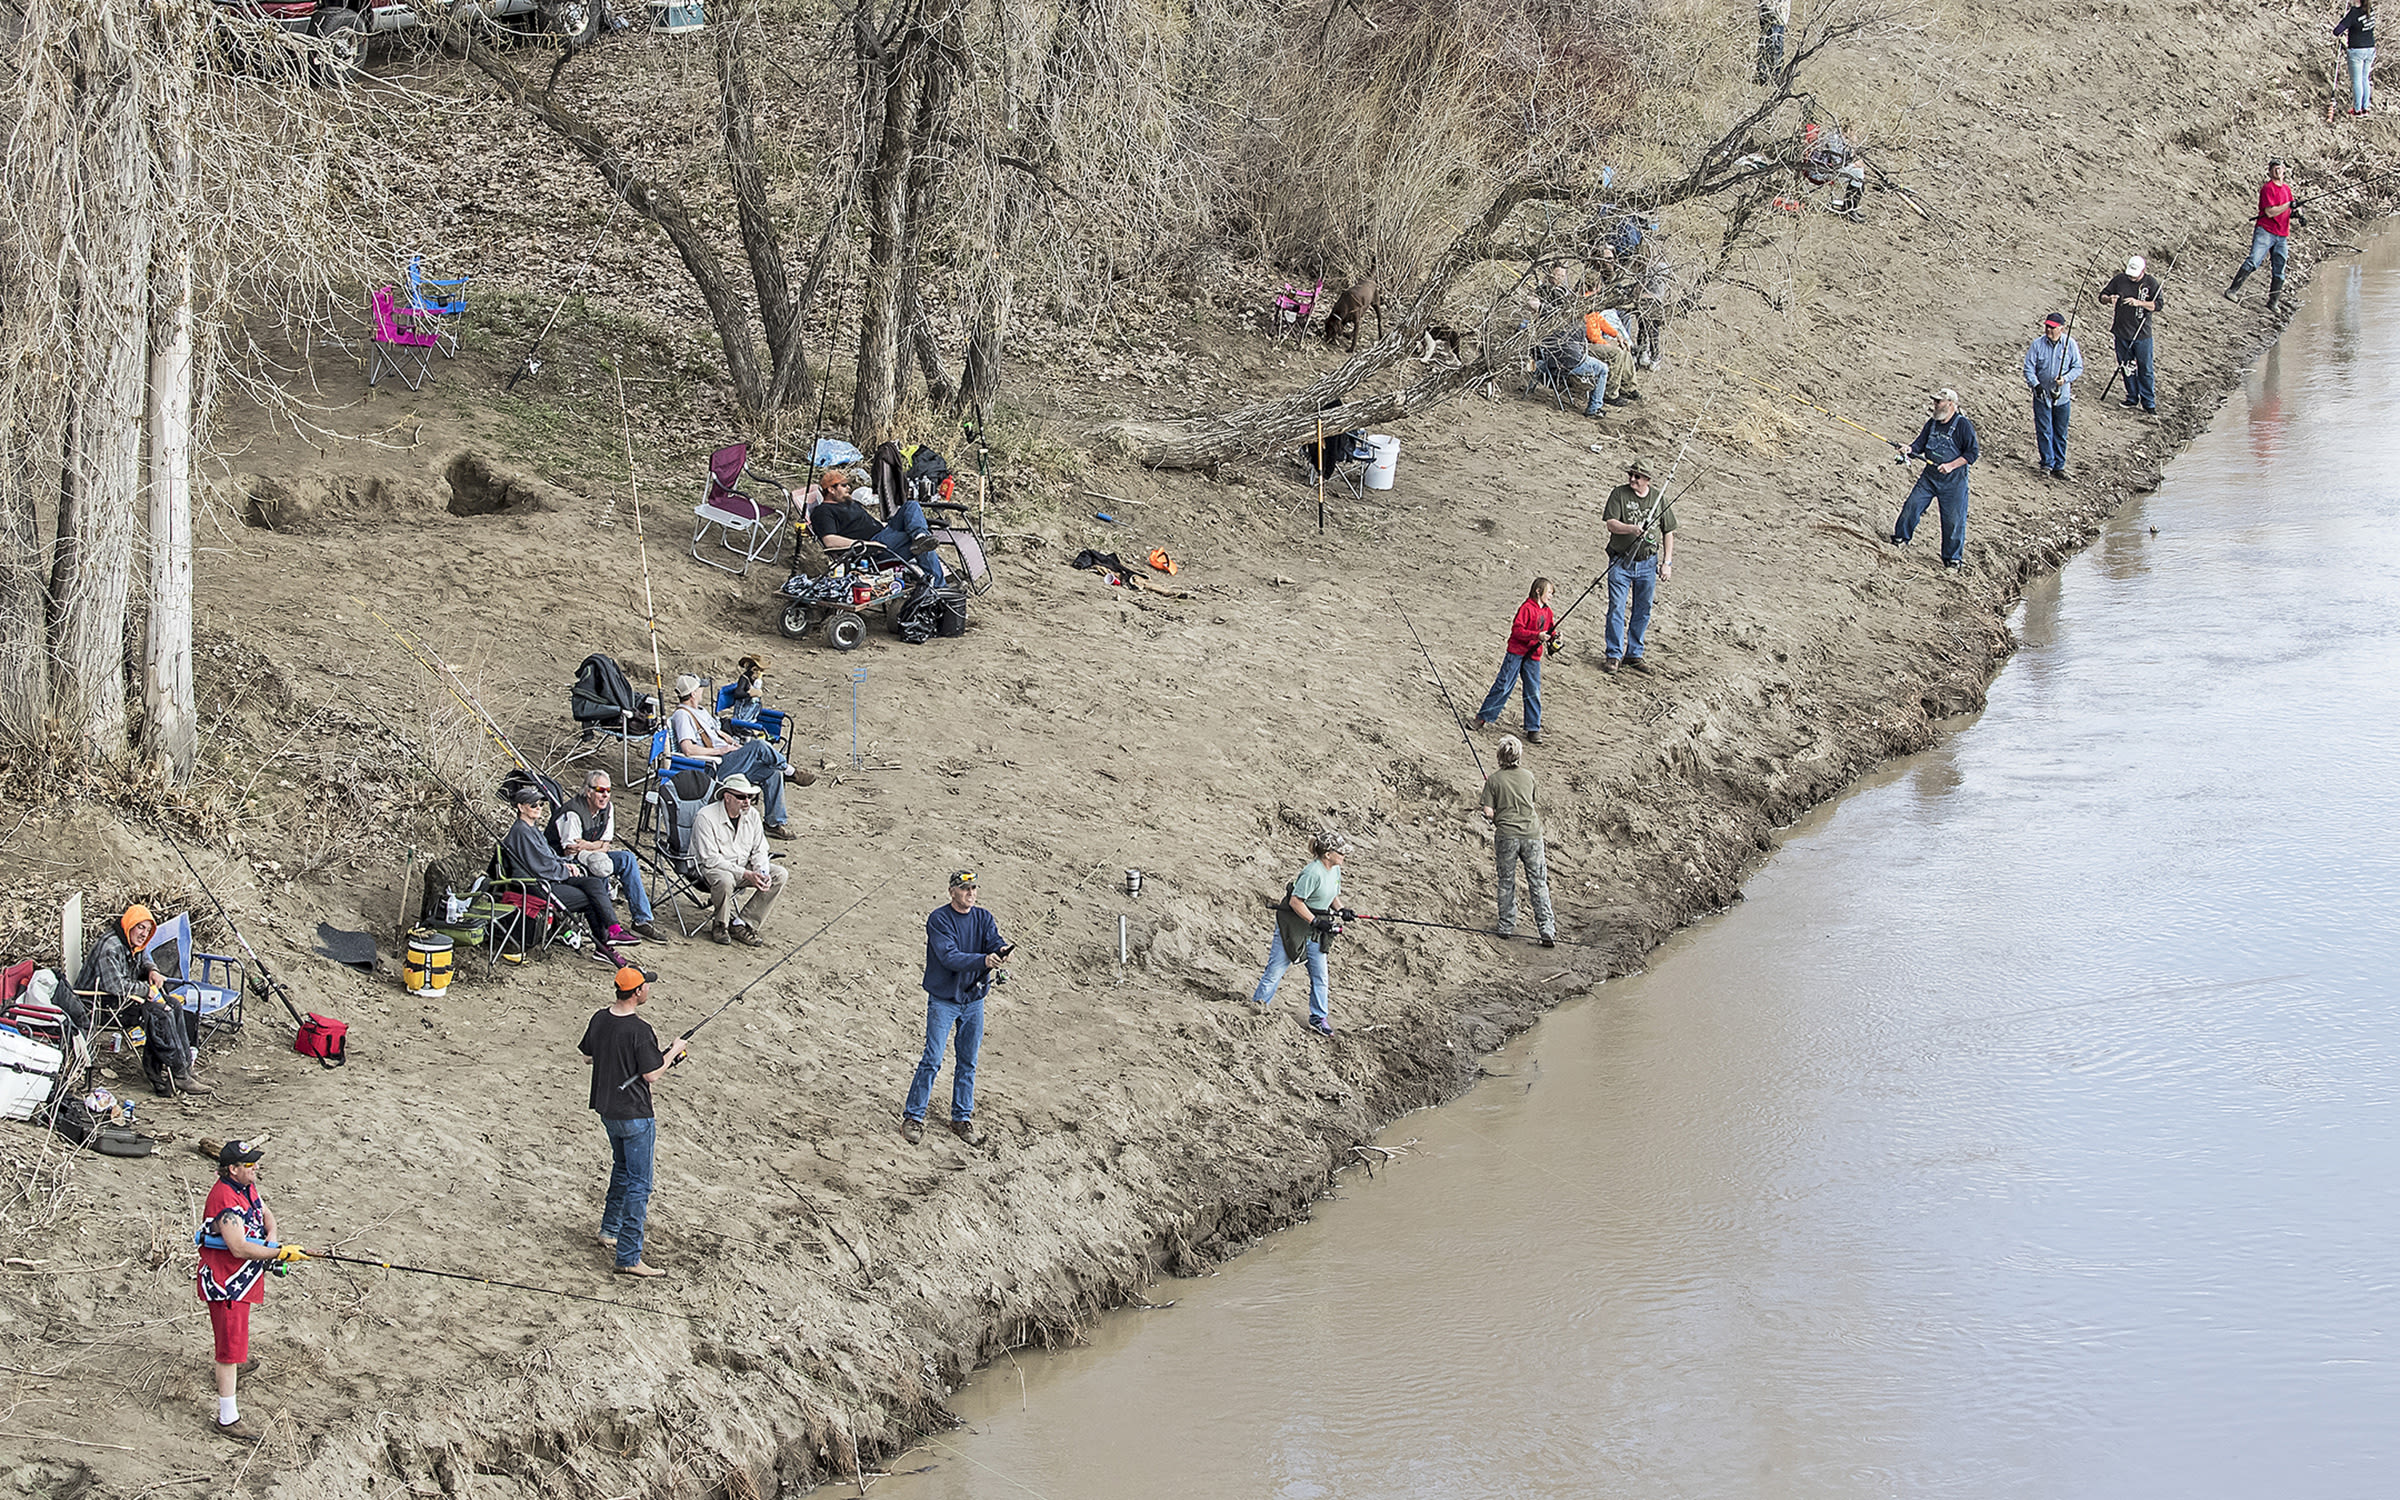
pixel 208 986
pixel 774 724
pixel 448 312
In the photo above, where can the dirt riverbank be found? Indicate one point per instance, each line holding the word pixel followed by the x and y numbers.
pixel 831 1282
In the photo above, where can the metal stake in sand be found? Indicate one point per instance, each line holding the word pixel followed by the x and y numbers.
pixel 1320 468
pixel 858 675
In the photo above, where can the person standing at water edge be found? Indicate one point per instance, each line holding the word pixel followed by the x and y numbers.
pixel 2053 364
pixel 2136 296
pixel 2356 29
pixel 1534 631
pixel 963 953
pixel 1947 445
pixel 237 1246
pixel 1304 924
pixel 626 1060
pixel 1509 806
pixel 2270 234
pixel 1641 556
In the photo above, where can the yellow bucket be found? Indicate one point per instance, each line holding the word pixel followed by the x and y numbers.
pixel 426 969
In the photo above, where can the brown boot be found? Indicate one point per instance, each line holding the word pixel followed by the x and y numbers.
pixel 189 1083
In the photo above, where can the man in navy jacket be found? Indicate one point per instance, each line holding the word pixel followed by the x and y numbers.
pixel 963 951
pixel 1947 445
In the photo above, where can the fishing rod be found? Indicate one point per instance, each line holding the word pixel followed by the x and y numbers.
pixel 2348 187
pixel 423 654
pixel 261 975
pixel 1455 716
pixel 1811 405
pixel 1360 916
pixel 514 1286
pixel 473 808
pixel 789 954
pixel 641 539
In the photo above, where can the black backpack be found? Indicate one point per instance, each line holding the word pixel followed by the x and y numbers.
pixel 926 471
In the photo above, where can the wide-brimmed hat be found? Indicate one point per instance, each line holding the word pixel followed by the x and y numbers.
pixel 1638 470
pixel 738 784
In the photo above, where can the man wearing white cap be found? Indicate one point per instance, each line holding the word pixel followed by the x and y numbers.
pixel 2136 296
pixel 1946 445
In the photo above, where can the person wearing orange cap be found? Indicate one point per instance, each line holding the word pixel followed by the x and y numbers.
pixel 626 1060
pixel 121 973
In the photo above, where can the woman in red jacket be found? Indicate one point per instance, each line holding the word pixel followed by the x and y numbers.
pixel 1534 632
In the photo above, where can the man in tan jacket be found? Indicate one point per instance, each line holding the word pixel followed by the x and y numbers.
pixel 729 843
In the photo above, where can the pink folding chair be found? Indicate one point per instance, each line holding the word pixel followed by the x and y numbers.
pixel 397 335
pixel 750 529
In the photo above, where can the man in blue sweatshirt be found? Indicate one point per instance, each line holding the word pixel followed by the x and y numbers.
pixel 2052 366
pixel 963 950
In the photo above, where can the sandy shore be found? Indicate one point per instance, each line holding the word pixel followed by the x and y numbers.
pixel 831 1282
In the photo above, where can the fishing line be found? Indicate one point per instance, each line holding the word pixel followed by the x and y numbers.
pixel 423 654
pixel 1360 916
pixel 1455 716
pixel 788 956
pixel 494 1281
pixel 1655 505
pixel 473 808
pixel 1811 405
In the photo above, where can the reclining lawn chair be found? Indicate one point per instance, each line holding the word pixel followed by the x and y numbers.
pixel 663 839
pixel 746 525
pixel 399 334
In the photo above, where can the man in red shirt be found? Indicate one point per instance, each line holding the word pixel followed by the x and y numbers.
pixel 2270 238
pixel 237 1246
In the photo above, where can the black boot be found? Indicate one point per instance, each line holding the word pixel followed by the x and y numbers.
pixel 2239 277
pixel 2275 293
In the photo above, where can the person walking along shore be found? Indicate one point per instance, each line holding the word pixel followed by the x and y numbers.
pixel 1304 924
pixel 2270 235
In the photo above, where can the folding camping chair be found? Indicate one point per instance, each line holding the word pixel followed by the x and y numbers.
pixel 606 706
pixel 443 315
pixel 531 920
pixel 1342 461
pixel 397 335
pixel 664 840
pixel 749 528
pixel 207 986
pixel 772 724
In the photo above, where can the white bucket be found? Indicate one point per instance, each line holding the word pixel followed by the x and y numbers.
pixel 1383 460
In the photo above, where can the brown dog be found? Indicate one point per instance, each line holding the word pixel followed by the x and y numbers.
pixel 1350 308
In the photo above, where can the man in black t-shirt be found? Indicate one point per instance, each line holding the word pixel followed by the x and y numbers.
pixel 625 1062
pixel 2136 296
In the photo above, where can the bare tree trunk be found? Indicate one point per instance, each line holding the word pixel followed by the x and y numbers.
pixel 789 385
pixel 170 718
pixel 876 401
pixel 100 486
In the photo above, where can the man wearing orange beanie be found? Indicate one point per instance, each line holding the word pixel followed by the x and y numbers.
pixel 120 969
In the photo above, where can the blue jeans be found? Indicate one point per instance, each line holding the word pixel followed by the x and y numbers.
pixel 1319 986
pixel 907 524
pixel 2050 429
pixel 632 1144
pixel 2362 71
pixel 2265 246
pixel 1597 369
pixel 760 761
pixel 1513 666
pixel 942 1018
pixel 1951 491
pixel 2141 387
pixel 1625 630
pixel 628 870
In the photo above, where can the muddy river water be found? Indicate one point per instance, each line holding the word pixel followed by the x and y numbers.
pixel 2029 1131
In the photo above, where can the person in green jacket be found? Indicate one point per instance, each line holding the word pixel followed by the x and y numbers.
pixel 1509 804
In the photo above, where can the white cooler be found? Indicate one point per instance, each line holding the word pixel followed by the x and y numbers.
pixel 28 1072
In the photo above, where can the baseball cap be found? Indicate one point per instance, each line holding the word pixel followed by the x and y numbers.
pixel 2054 320
pixel 962 880
pixel 630 979
pixel 686 685
pixel 239 1153
pixel 2135 266
pixel 527 795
